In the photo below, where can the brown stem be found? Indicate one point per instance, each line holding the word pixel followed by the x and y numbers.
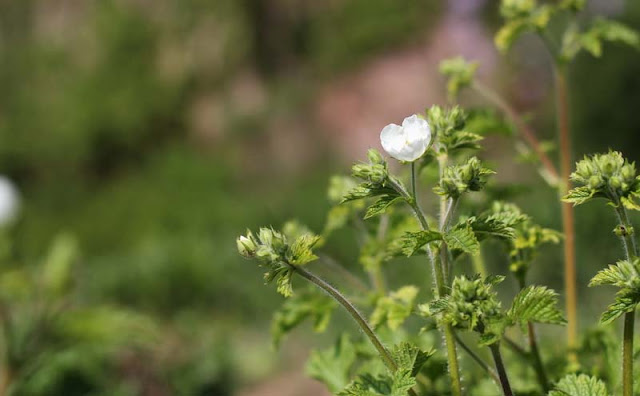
pixel 564 133
pixel 525 129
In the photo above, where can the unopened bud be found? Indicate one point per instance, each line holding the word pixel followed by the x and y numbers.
pixel 595 182
pixel 615 182
pixel 246 246
pixel 375 157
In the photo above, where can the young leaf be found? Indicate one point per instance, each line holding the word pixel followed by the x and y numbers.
pixel 578 195
pixel 536 304
pixel 411 242
pixel 621 274
pixel 461 237
pixel 333 366
pixel 300 252
pixel 381 205
pixel 627 300
pixel 394 308
pixel 579 385
pixel 397 384
pixel 309 304
pixel 409 357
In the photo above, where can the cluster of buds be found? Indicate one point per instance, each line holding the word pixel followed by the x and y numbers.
pixel 446 122
pixel 458 179
pixel 473 303
pixel 268 247
pixel 375 172
pixel 607 175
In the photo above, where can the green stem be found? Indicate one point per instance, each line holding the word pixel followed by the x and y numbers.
pixel 478 360
pixel 627 354
pixel 502 373
pixel 631 252
pixel 357 317
pixel 568 224
pixel 534 351
pixel 479 266
pixel 441 289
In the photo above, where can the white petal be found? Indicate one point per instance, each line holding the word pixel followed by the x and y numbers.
pixel 392 139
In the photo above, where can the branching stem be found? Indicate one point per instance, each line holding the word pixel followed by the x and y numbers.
pixel 357 317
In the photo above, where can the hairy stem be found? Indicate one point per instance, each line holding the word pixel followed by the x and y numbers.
pixel 534 351
pixel 478 360
pixel 502 373
pixel 536 358
pixel 627 354
pixel 631 252
pixel 357 317
pixel 564 134
pixel 441 289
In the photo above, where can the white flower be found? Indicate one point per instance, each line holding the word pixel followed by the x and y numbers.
pixel 9 201
pixel 407 142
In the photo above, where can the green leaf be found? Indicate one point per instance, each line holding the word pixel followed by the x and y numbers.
pixel 626 300
pixel 461 237
pixel 394 308
pixel 630 203
pixel 381 205
pixel 411 242
pixel 611 31
pixel 621 274
pixel 367 190
pixel 299 252
pixel 536 304
pixel 57 270
pixel 409 357
pixel 309 304
pixel 398 384
pixel 579 385
pixel 508 34
pixel 333 366
pixel 578 195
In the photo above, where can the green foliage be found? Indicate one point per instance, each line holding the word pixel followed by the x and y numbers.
pixel 522 16
pixel 459 73
pixel 409 359
pixel 579 385
pixel 626 276
pixel 591 40
pixel 462 237
pixel 395 308
pixel 412 242
pixel 535 304
pixel 333 366
pixel 308 304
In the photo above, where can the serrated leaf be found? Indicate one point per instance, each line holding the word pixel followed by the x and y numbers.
pixel 367 190
pixel 621 274
pixel 578 195
pixel 333 366
pixel 397 384
pixel 536 304
pixel 630 203
pixel 381 205
pixel 299 252
pixel 409 357
pixel 579 385
pixel 461 237
pixel 626 301
pixel 411 242
pixel 309 304
pixel 485 227
pixel 394 308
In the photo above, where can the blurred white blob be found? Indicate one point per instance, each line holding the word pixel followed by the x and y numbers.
pixel 9 201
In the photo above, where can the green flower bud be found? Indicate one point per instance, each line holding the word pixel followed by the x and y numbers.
pixel 615 182
pixel 595 182
pixel 246 245
pixel 628 172
pixel 375 157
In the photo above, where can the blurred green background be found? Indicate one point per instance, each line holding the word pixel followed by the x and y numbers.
pixel 144 136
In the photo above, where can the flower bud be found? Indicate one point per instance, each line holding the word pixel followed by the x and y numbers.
pixel 595 182
pixel 375 157
pixel 266 236
pixel 378 174
pixel 628 172
pixel 246 245
pixel 615 182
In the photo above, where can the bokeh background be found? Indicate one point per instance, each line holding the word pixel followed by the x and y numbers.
pixel 144 136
